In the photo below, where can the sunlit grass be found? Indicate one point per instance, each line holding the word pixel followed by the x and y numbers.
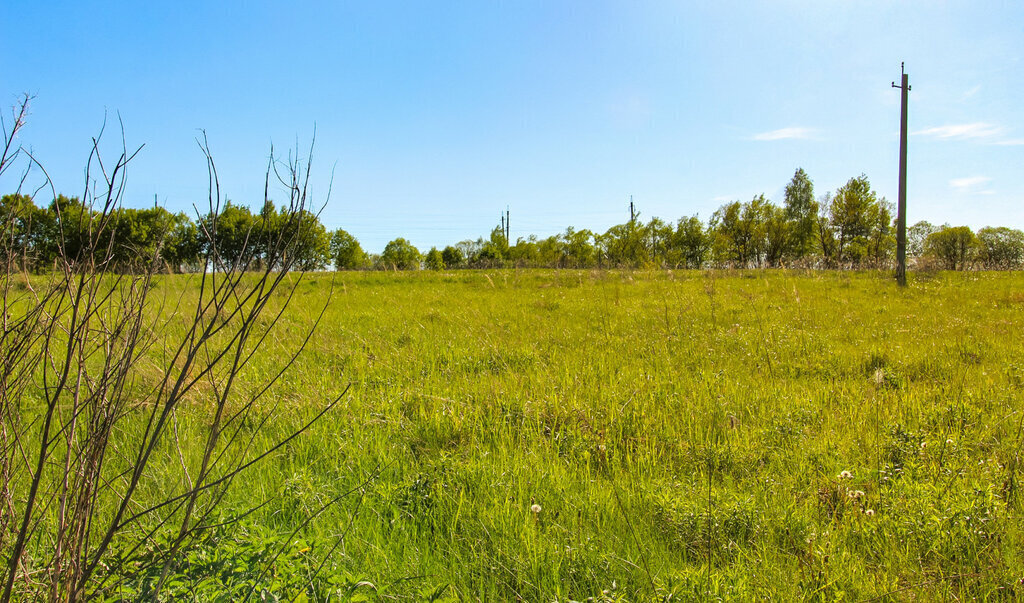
pixel 564 435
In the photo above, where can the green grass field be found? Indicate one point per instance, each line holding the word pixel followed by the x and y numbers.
pixel 541 436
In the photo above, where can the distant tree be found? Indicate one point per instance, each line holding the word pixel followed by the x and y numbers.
pixel 827 244
pixel 740 231
pixel 1001 248
pixel 722 226
pixel 493 251
pixel 778 232
pixel 657 236
pixel 625 245
pixel 577 249
pixel 802 213
pixel 434 260
pixel 916 236
pixel 182 248
pixel 470 249
pixel 549 251
pixel 268 227
pixel 231 236
pixel 306 238
pixel 690 243
pixel 70 224
pixel 22 225
pixel 850 216
pixel 952 245
pixel 346 251
pixel 882 234
pixel 453 257
pixel 136 237
pixel 400 255
pixel 524 252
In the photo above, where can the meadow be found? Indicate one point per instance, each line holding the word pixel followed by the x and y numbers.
pixel 628 435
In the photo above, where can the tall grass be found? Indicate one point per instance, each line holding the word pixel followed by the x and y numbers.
pixel 557 435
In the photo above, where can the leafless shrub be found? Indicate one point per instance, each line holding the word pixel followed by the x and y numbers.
pixel 82 417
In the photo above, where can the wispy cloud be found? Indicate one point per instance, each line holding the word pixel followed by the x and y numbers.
pixel 796 133
pixel 976 130
pixel 1010 142
pixel 970 93
pixel 968 184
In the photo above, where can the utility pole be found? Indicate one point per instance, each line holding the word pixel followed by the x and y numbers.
pixel 508 225
pixel 632 211
pixel 901 211
pixel 503 226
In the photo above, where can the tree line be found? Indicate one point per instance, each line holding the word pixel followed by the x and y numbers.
pixel 851 227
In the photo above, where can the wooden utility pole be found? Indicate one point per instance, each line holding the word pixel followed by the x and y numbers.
pixel 508 225
pixel 632 212
pixel 901 210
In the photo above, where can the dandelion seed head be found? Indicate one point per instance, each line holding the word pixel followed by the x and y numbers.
pixel 845 475
pixel 535 508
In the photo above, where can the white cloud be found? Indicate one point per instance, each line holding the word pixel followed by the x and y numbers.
pixel 962 131
pixel 786 134
pixel 1010 142
pixel 965 185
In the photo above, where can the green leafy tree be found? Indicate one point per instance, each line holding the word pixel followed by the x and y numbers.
pixel 453 257
pixel 657 236
pixel 1001 248
pixel 72 226
pixel 493 251
pixel 470 249
pixel 802 213
pixel 400 254
pixel 524 253
pixel 623 245
pixel 306 243
pixel 231 236
pixel 827 243
pixel 135 237
pixel 740 231
pixel 690 243
pixel 881 242
pixel 778 231
pixel 916 236
pixel 577 249
pixel 850 216
pixel 346 251
pixel 434 260
pixel 23 231
pixel 549 251
pixel 952 245
pixel 182 250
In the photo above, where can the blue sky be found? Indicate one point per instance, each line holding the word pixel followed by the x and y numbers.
pixel 435 116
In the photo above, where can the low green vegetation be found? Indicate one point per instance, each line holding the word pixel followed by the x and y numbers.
pixel 567 435
pixel 851 228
